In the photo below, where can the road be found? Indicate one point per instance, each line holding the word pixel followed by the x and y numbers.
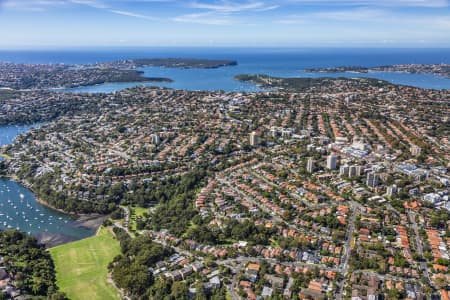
pixel 355 209
pixel 349 236
pixel 234 283
pixel 126 220
pixel 384 277
pixel 246 259
pixel 419 247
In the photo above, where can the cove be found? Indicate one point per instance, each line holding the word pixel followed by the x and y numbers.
pixel 19 208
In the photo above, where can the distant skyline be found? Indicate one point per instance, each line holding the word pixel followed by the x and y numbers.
pixel 40 24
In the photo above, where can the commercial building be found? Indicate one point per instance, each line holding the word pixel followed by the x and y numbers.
pixel 372 179
pixel 254 140
pixel 310 165
pixel 332 162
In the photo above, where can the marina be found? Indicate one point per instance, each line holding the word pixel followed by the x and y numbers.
pixel 20 210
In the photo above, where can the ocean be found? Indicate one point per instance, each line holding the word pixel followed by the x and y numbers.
pixel 275 62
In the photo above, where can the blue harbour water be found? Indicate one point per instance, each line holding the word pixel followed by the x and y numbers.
pixel 275 62
pixel 20 210
pixel 9 133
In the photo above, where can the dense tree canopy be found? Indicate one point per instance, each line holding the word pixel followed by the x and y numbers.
pixel 130 270
pixel 30 263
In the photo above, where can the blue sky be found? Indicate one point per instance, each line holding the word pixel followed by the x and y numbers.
pixel 218 23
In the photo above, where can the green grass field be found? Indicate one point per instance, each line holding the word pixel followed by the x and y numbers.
pixel 139 211
pixel 136 212
pixel 82 266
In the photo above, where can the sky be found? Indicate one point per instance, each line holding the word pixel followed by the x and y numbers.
pixel 224 23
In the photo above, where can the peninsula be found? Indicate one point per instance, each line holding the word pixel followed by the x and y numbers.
pixel 52 76
pixel 303 83
pixel 182 63
pixel 433 69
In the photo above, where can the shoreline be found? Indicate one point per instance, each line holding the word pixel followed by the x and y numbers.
pixel 89 221
pixel 147 80
pixel 38 199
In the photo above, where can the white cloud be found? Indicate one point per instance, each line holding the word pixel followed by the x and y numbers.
pixel 360 14
pixel 389 3
pixel 43 5
pixel 132 14
pixel 221 12
pixel 207 18
pixel 384 22
pixel 349 15
pixel 30 5
pixel 91 3
pixel 233 7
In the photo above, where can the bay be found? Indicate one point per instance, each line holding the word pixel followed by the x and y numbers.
pixel 19 208
pixel 9 133
pixel 270 61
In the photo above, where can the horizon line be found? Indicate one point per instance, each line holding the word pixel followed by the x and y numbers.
pixel 241 47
